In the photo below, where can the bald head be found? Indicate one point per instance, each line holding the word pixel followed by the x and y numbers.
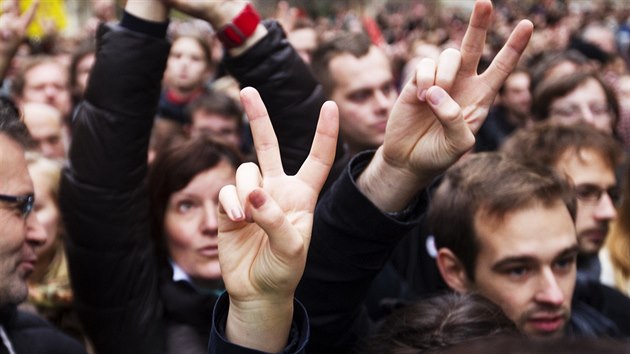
pixel 45 124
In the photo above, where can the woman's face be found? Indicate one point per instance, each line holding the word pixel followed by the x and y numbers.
pixel 187 67
pixel 190 223
pixel 586 103
pixel 46 211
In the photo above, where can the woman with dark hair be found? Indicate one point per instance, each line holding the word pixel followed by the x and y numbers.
pixel 184 184
pixel 579 97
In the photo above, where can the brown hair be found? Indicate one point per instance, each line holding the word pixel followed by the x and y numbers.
pixel 439 322
pixel 546 142
pixel 356 44
pixel 493 184
pixel 172 170
pixel 218 103
pixel 552 89
pixel 618 240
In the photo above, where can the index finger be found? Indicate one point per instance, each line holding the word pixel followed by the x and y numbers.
pixel 29 14
pixel 509 55
pixel 320 159
pixel 475 36
pixel 265 141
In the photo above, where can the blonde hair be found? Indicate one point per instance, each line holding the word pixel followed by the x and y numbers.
pixel 618 240
pixel 51 170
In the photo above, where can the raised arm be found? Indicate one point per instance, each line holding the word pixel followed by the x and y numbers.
pixel 13 30
pixel 419 145
pixel 267 62
pixel 265 224
pixel 103 193
pixel 378 199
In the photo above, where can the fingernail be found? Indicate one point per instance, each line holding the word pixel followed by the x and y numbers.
pixel 257 198
pixel 422 96
pixel 237 214
pixel 436 96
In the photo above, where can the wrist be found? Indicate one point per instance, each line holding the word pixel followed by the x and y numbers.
pixel 390 188
pixel 238 27
pixel 263 325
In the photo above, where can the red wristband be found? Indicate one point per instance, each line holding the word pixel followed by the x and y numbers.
pixel 235 33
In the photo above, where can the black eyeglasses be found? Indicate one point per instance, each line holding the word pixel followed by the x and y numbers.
pixel 592 194
pixel 23 202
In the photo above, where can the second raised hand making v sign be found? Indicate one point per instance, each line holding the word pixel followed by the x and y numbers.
pixel 265 224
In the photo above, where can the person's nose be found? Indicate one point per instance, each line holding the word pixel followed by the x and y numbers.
pixel 549 291
pixel 382 101
pixel 210 223
pixel 605 208
pixel 587 114
pixel 35 233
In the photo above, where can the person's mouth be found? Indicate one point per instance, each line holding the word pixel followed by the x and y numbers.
pixel 547 323
pixel 209 251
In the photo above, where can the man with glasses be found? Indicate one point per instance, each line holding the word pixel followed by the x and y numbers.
pixel 589 158
pixel 20 235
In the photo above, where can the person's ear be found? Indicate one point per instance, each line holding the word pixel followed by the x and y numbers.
pixel 452 271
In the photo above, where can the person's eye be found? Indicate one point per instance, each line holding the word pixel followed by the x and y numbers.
pixel 564 264
pixel 387 89
pixel 185 206
pixel 599 109
pixel 517 272
pixel 360 96
pixel 588 193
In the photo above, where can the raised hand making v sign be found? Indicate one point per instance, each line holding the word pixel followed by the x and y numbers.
pixel 265 224
pixel 438 112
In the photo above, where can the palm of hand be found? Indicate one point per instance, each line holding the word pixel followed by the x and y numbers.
pixel 249 262
pixel 417 139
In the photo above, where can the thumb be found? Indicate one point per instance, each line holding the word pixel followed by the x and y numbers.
pixel 457 134
pixel 285 241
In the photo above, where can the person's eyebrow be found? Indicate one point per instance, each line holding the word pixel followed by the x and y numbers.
pixel 569 251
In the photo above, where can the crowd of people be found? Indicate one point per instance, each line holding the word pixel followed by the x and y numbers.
pixel 414 181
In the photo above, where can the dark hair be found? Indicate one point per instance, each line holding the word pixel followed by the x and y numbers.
pixel 439 322
pixel 495 185
pixel 84 49
pixel 356 44
pixel 548 61
pixel 546 142
pixel 11 124
pixel 218 103
pixel 552 89
pixel 172 170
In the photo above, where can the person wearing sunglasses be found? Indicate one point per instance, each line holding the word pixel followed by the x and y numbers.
pixel 21 234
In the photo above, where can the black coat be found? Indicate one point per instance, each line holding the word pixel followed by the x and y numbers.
pixel 125 297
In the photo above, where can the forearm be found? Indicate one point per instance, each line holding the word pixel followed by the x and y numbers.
pixel 6 56
pixel 149 10
pixel 388 187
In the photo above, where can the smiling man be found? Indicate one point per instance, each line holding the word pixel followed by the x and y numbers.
pixel 20 235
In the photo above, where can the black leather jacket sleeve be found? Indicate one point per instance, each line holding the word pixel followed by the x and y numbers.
pixel 104 199
pixel 351 242
pixel 291 93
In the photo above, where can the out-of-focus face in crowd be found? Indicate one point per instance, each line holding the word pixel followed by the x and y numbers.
pixel 365 93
